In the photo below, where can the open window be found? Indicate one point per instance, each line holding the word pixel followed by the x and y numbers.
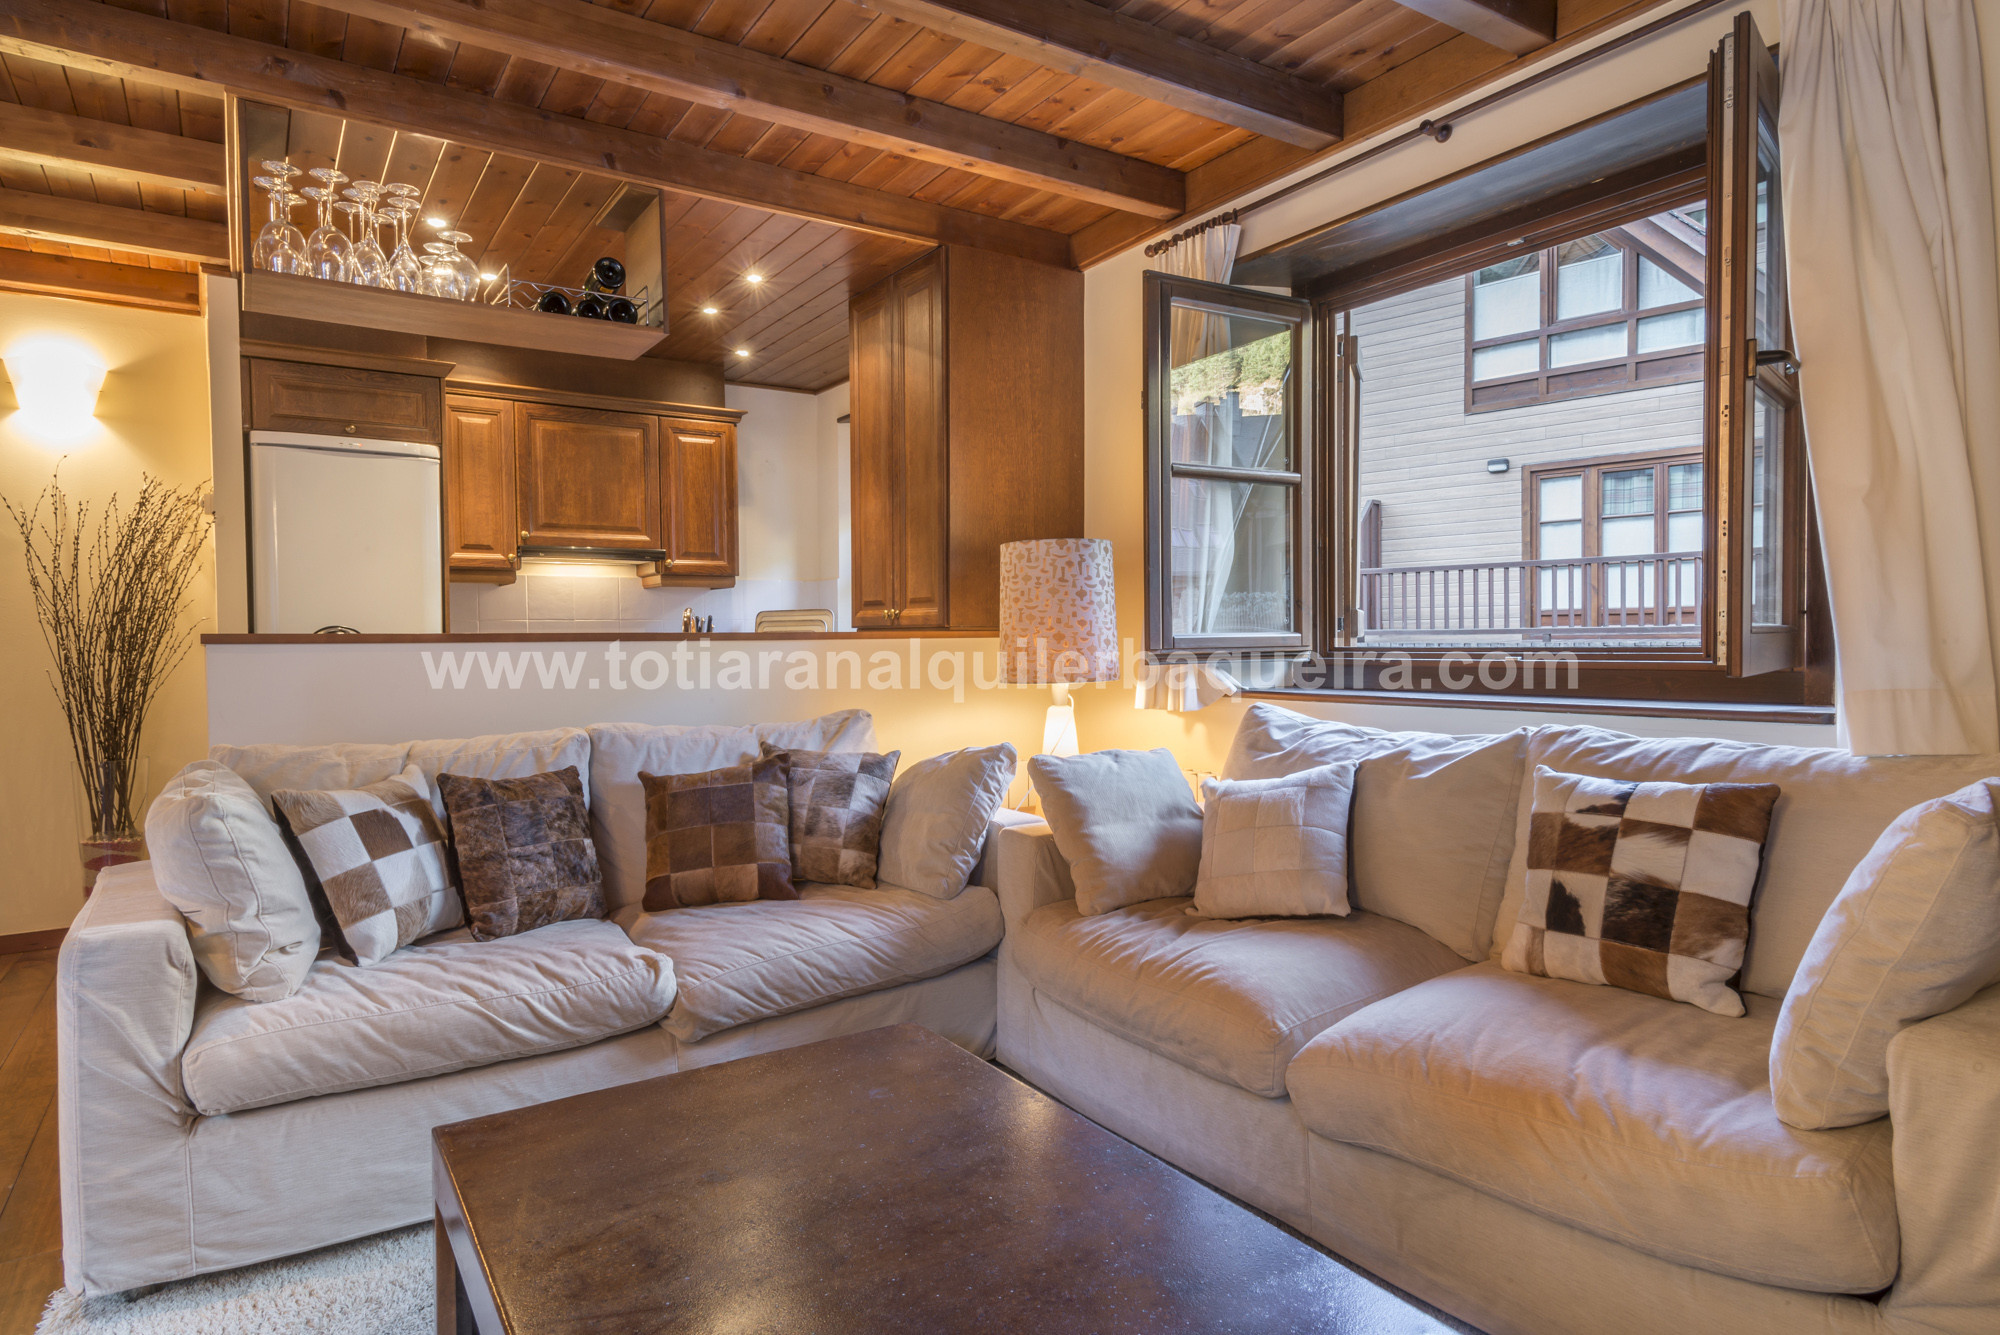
pixel 1557 413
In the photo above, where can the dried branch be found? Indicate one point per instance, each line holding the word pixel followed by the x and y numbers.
pixel 110 607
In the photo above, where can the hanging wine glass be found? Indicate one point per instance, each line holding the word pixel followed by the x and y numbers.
pixel 406 271
pixel 347 209
pixel 440 279
pixel 463 268
pixel 329 254
pixel 371 266
pixel 280 247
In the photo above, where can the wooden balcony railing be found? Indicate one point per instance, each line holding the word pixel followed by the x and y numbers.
pixel 1656 595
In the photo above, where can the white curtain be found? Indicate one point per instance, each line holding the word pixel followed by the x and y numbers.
pixel 1890 228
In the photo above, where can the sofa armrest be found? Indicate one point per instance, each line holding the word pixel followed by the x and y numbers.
pixel 1944 1103
pixel 125 994
pixel 1032 871
pixel 987 870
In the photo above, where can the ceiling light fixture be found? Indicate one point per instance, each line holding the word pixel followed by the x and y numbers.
pixel 488 277
pixel 437 222
pixel 753 278
pixel 710 310
pixel 743 352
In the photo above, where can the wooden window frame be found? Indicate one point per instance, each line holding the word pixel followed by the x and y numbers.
pixel 1162 293
pixel 1611 375
pixel 1658 460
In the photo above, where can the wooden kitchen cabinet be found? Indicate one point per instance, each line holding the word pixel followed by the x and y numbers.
pixel 966 431
pixel 698 483
pixel 482 503
pixel 589 478
pixel 343 401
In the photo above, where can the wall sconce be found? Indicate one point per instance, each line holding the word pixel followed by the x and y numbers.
pixel 1497 465
pixel 56 382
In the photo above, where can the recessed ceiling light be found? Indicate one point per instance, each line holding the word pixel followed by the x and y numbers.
pixel 710 310
pixel 753 278
pixel 488 277
pixel 437 222
pixel 743 352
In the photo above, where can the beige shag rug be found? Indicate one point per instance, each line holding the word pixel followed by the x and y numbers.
pixel 384 1285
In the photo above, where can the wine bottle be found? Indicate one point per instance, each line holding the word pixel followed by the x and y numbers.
pixel 622 310
pixel 592 306
pixel 607 275
pixel 555 303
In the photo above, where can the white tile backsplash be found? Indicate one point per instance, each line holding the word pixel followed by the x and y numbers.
pixel 610 600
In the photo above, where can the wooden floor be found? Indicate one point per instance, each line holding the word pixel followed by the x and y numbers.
pixel 30 1225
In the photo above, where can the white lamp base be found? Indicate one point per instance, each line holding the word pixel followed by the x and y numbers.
pixel 1059 731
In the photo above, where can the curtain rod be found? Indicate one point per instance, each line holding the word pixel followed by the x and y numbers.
pixel 1189 233
pixel 1440 129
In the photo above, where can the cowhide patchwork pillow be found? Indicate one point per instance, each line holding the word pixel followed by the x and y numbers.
pixel 375 858
pixel 719 837
pixel 523 848
pixel 838 798
pixel 1644 886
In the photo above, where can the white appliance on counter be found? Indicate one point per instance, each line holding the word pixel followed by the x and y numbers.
pixel 345 534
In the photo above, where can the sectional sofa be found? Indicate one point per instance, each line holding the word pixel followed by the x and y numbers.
pixel 200 1131
pixel 1538 1157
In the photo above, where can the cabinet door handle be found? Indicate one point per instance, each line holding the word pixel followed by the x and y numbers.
pixel 351 428
pixel 668 563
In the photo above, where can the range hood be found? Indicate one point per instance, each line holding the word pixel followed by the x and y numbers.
pixel 600 555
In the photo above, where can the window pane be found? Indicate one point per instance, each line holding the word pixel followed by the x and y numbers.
pixel 1507 298
pixel 1684 487
pixel 1684 531
pixel 1768 321
pixel 1767 517
pixel 1626 537
pixel 1627 492
pixel 1657 287
pixel 1590 277
pixel 1562 498
pixel 1602 343
pixel 1524 358
pixel 1232 557
pixel 1229 383
pixel 1561 542
pixel 1682 329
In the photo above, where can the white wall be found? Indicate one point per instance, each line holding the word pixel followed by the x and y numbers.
pixel 1114 465
pixel 791 480
pixel 152 418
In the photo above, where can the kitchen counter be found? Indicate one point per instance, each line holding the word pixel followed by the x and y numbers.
pixel 604 637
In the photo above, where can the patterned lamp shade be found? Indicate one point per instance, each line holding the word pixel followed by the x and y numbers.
pixel 1058 613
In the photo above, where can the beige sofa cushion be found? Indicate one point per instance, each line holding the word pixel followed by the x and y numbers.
pixel 1232 999
pixel 742 962
pixel 442 1005
pixel 221 860
pixel 1831 807
pixel 1635 1118
pixel 1432 821
pixel 270 766
pixel 1915 933
pixel 618 751
pixel 514 755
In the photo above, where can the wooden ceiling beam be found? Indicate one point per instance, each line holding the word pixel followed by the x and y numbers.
pixel 1516 26
pixel 182 56
pixel 625 49
pixel 1081 38
pixel 51 138
pixel 96 280
pixel 83 222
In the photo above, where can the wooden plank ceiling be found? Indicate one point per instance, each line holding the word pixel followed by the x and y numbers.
pixel 1058 128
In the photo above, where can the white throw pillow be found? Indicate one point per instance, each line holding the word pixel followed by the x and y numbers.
pixel 934 825
pixel 1914 933
pixel 1125 821
pixel 221 860
pixel 1275 848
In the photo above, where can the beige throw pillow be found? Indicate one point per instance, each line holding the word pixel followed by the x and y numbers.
pixel 934 824
pixel 1914 933
pixel 378 855
pixel 1644 886
pixel 1126 823
pixel 221 860
pixel 1275 847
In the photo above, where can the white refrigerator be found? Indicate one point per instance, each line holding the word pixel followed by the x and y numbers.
pixel 345 534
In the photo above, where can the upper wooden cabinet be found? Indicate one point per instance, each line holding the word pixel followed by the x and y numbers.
pixel 481 508
pixel 966 431
pixel 343 401
pixel 698 482
pixel 589 478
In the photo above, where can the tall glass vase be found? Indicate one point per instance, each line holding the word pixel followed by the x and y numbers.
pixel 108 832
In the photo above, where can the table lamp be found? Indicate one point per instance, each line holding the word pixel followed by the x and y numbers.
pixel 1058 623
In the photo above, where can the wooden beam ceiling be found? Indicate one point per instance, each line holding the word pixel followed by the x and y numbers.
pixel 1518 26
pixel 625 49
pixel 83 222
pixel 183 56
pixel 51 138
pixel 1081 38
pixel 96 280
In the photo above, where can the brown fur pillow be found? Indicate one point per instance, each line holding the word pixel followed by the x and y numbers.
pixel 524 852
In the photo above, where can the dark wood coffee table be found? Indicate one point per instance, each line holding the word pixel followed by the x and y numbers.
pixel 883 1181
